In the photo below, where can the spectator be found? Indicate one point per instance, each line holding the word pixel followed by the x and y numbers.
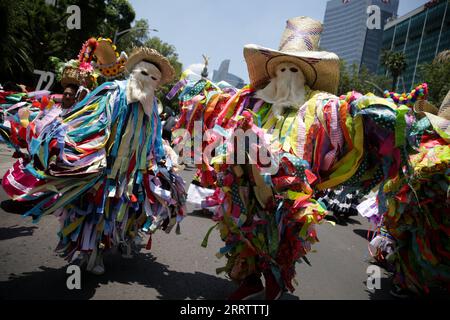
pixel 69 96
pixel 169 124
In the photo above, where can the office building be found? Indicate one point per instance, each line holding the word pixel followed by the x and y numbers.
pixel 348 30
pixel 421 35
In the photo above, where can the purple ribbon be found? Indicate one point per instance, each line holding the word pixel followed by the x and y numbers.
pixel 176 88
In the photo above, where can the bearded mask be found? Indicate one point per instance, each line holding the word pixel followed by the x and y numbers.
pixel 286 90
pixel 144 79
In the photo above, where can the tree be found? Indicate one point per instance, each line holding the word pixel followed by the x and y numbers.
pixel 136 37
pixel 38 31
pixel 443 57
pixel 362 80
pixel 14 51
pixel 437 75
pixel 37 36
pixel 395 63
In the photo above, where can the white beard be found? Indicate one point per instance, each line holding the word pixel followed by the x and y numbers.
pixel 136 92
pixel 286 90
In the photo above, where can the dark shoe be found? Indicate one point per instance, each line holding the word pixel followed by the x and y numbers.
pixel 400 293
pixel 249 289
pixel 81 261
pixel 273 289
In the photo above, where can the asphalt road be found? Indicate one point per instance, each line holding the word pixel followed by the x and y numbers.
pixel 177 267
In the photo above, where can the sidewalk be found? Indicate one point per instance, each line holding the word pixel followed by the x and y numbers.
pixel 6 160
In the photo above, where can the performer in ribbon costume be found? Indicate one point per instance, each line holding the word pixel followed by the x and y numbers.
pixel 413 236
pixel 101 167
pixel 316 140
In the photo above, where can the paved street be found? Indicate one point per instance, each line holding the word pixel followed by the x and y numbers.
pixel 176 268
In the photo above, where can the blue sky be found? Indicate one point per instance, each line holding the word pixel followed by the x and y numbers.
pixel 220 29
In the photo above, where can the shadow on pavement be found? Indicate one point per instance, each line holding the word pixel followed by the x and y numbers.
pixel 383 293
pixel 144 270
pixel 386 286
pixel 364 233
pixel 16 232
pixel 15 207
pixel 342 221
pixel 205 214
pixel 289 297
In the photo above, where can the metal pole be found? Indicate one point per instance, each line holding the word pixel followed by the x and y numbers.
pixel 407 36
pixel 376 86
pixel 442 28
pixel 115 36
pixel 119 34
pixel 392 45
pixel 420 48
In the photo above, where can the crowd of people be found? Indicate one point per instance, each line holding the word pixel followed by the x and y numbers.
pixel 100 158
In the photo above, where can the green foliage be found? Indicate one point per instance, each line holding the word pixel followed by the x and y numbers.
pixel 14 50
pixel 36 31
pixel 135 37
pixel 437 75
pixel 395 63
pixel 361 80
pixel 37 37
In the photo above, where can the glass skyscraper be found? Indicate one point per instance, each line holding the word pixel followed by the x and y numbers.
pixel 346 31
pixel 421 35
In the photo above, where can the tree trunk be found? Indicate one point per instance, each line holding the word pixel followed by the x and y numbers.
pixel 394 83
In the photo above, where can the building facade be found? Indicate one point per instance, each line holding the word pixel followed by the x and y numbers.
pixel 347 34
pixel 421 35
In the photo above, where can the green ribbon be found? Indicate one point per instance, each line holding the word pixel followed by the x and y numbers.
pixel 205 240
pixel 400 126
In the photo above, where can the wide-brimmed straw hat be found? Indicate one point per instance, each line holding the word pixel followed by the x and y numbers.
pixel 427 107
pixel 444 110
pixel 439 118
pixel 153 56
pixel 299 45
pixel 423 106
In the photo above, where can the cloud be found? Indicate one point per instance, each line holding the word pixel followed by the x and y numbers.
pixel 196 68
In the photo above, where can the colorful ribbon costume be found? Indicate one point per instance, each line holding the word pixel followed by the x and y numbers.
pixel 99 170
pixel 267 220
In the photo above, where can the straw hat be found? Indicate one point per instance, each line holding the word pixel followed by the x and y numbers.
pixel 423 106
pixel 76 76
pixel 105 52
pixel 440 119
pixel 80 71
pixel 299 45
pixel 426 107
pixel 109 63
pixel 152 56
pixel 444 110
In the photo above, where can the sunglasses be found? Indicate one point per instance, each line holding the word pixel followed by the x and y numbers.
pixel 69 95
